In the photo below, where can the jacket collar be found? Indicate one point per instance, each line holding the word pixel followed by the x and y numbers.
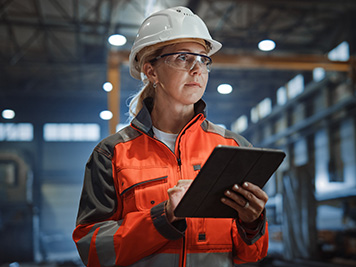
pixel 143 121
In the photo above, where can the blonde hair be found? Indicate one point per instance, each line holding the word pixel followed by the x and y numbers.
pixel 147 54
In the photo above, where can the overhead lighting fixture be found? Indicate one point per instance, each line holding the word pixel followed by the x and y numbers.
pixel 224 89
pixel 117 40
pixel 266 45
pixel 106 115
pixel 8 114
pixel 107 87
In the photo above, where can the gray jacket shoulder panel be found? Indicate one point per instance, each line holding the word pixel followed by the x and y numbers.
pixel 213 128
pixel 106 146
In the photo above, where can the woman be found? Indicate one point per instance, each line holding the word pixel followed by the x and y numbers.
pixel 135 178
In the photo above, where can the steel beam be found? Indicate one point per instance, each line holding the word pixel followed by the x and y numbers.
pixel 113 76
pixel 296 62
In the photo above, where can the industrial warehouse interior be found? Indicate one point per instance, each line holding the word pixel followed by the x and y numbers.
pixel 65 85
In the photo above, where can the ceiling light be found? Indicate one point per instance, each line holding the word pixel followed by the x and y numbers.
pixel 266 45
pixel 107 86
pixel 8 114
pixel 106 115
pixel 117 40
pixel 224 89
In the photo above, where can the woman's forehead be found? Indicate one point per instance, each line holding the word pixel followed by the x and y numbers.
pixel 186 46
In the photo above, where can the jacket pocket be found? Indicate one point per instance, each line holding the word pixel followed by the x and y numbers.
pixel 142 189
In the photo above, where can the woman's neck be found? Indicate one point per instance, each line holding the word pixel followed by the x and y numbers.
pixel 171 118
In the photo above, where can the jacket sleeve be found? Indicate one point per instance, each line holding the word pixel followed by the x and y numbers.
pixel 251 245
pixel 102 236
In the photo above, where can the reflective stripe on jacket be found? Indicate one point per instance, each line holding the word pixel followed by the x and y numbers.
pixel 121 218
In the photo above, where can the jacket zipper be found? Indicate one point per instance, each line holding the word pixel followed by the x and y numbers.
pixel 183 253
pixel 179 160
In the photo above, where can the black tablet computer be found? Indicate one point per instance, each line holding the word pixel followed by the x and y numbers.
pixel 226 166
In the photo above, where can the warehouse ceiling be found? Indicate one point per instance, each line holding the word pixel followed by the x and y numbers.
pixel 58 48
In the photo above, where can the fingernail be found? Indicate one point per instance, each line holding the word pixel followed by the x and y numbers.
pixel 236 186
pixel 228 192
pixel 223 199
pixel 245 184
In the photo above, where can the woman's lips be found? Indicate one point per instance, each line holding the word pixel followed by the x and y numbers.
pixel 193 84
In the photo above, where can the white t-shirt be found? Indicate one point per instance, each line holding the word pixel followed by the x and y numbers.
pixel 167 138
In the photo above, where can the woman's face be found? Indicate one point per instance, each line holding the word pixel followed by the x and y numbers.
pixel 179 85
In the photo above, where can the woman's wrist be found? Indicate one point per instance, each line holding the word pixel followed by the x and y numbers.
pixel 251 225
pixel 169 212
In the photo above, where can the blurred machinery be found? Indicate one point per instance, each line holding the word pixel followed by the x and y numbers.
pixel 311 209
pixel 18 216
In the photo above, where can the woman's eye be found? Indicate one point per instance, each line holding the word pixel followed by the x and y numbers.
pixel 182 57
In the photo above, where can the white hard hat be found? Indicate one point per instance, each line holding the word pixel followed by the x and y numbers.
pixel 167 25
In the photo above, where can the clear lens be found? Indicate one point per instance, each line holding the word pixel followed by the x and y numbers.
pixel 187 61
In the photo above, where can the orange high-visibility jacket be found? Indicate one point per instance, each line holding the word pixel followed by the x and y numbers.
pixel 122 220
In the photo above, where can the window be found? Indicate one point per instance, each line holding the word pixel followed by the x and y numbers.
pixel 254 115
pixel 265 107
pixel 75 132
pixel 295 86
pixel 16 132
pixel 340 53
pixel 282 96
pixel 262 110
pixel 240 124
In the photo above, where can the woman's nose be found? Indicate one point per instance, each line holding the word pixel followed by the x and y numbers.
pixel 197 67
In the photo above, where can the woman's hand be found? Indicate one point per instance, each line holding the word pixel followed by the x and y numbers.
pixel 175 195
pixel 248 200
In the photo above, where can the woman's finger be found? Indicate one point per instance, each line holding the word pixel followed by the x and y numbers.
pixel 251 191
pixel 237 198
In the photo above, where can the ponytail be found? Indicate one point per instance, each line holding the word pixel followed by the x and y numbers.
pixel 145 55
pixel 136 102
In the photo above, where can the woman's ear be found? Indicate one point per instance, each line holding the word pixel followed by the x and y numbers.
pixel 150 72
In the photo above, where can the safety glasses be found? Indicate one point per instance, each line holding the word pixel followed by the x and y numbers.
pixel 186 61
